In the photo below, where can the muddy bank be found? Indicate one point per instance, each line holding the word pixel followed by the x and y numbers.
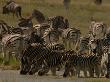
pixel 14 76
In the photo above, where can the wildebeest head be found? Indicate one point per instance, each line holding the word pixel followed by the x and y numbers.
pixel 38 15
pixel 5 10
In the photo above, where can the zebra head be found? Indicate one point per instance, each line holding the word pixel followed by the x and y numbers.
pixel 98 28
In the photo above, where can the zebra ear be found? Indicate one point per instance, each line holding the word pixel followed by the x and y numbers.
pixel 92 19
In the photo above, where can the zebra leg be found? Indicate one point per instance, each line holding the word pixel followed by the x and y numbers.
pixel 73 72
pixel 91 72
pixel 78 72
pixel 53 70
pixel 98 70
pixel 85 73
pixel 43 71
pixel 65 43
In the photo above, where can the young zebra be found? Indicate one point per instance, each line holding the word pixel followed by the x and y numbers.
pixel 84 63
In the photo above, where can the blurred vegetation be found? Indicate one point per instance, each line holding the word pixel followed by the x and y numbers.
pixel 79 13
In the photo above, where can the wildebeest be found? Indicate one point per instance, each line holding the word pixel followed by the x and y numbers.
pixel 98 2
pixel 38 15
pixel 66 3
pixel 12 7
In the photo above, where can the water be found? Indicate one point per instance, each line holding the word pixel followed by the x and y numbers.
pixel 14 76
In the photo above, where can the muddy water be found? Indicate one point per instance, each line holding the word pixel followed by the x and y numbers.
pixel 14 76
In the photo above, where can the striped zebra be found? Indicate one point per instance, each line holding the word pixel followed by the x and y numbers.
pixel 12 44
pixel 83 46
pixel 108 67
pixel 84 63
pixel 40 28
pixel 101 50
pixel 33 53
pixel 4 28
pixel 57 25
pixel 52 35
pixel 58 22
pixel 71 37
pixel 94 63
pixel 98 29
pixel 52 61
pixel 12 7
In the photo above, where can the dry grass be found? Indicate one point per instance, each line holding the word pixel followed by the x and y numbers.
pixel 98 80
pixel 79 13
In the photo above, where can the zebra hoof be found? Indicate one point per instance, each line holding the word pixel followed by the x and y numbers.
pixel 40 73
pixel 64 75
pixel 30 73
pixel 22 73
pixel 107 76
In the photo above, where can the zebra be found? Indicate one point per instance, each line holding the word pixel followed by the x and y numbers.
pixel 11 44
pixel 58 22
pixel 4 28
pixel 33 53
pixel 52 35
pixel 94 63
pixel 52 61
pixel 98 29
pixel 12 7
pixel 83 46
pixel 101 49
pixel 108 67
pixel 71 35
pixel 80 62
pixel 40 28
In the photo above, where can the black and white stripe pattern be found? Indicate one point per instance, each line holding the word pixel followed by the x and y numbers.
pixel 71 37
pixel 84 63
pixel 36 53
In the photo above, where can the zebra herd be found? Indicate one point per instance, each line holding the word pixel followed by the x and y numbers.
pixel 43 47
pixel 53 44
